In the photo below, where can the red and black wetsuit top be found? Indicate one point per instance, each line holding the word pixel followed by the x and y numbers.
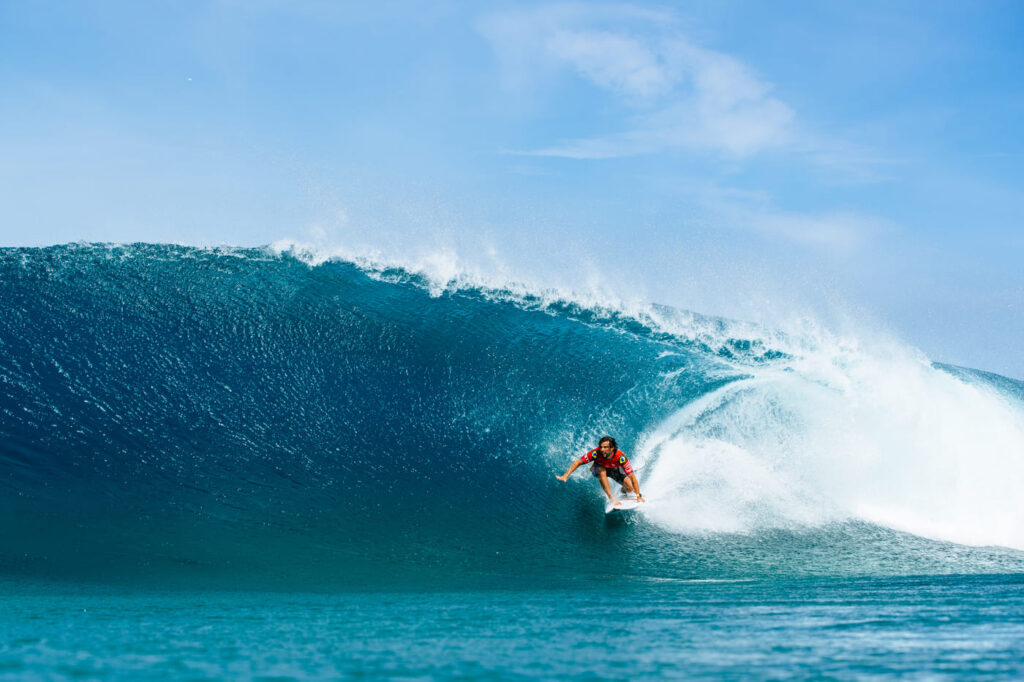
pixel 616 461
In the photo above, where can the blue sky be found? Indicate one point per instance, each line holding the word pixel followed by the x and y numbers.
pixel 756 160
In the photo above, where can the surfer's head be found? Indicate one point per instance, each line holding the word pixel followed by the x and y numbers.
pixel 607 444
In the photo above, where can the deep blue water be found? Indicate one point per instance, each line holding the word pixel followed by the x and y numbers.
pixel 243 463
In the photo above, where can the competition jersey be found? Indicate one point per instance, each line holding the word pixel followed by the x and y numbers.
pixel 618 460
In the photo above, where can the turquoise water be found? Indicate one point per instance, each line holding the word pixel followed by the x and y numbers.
pixel 949 627
pixel 238 463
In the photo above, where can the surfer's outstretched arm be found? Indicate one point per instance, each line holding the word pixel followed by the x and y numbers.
pixel 572 468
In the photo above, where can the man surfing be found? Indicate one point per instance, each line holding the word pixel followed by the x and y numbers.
pixel 609 462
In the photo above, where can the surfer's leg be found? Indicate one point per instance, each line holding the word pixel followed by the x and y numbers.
pixel 603 477
pixel 620 477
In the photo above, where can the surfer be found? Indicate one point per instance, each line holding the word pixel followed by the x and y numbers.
pixel 609 462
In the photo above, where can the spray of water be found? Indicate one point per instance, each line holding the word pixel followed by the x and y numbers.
pixel 844 432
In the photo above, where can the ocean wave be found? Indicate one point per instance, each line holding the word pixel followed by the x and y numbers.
pixel 167 408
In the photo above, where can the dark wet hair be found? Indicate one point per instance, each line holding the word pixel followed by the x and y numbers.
pixel 608 439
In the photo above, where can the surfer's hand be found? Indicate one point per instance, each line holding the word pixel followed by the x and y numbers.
pixel 563 478
pixel 640 497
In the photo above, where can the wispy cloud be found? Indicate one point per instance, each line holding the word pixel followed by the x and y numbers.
pixel 678 95
pixel 839 232
pixel 615 62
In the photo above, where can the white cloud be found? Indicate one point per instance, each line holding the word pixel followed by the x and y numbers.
pixel 680 95
pixel 618 63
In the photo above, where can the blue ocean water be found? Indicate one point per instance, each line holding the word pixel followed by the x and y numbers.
pixel 949 627
pixel 262 464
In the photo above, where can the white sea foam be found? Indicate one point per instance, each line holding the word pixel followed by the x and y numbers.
pixel 842 432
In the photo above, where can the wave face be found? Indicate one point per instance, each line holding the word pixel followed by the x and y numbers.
pixel 241 414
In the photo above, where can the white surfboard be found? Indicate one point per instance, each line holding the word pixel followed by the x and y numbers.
pixel 625 504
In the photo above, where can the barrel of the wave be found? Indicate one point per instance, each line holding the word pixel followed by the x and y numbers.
pixel 191 411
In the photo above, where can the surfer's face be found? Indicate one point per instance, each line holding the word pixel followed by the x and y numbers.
pixel 606 448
